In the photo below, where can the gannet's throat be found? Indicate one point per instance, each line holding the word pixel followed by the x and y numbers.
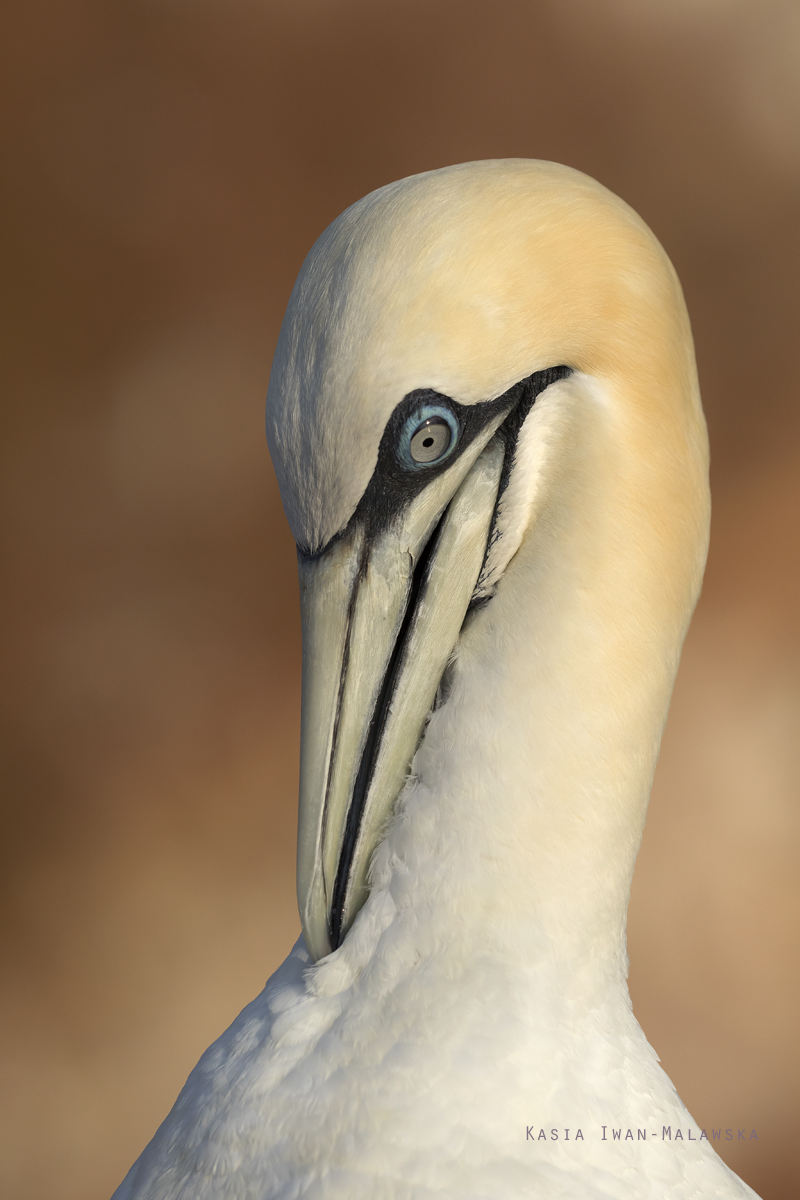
pixel 383 605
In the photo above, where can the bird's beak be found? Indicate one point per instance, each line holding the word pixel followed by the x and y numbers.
pixel 381 616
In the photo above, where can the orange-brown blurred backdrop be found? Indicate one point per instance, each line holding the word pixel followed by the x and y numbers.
pixel 168 166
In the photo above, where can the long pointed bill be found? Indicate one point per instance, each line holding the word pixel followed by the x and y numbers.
pixel 381 618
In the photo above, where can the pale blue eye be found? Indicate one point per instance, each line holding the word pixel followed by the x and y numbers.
pixel 429 436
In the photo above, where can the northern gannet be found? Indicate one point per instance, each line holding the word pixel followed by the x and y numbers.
pixel 485 420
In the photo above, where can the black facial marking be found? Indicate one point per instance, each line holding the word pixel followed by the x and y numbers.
pixel 390 489
pixel 509 431
pixel 393 486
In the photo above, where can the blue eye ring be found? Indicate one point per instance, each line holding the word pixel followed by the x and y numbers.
pixel 434 419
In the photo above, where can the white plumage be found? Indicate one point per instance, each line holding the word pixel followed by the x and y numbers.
pixel 479 995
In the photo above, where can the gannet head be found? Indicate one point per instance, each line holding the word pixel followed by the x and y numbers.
pixel 424 325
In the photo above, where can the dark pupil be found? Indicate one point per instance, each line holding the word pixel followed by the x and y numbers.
pixel 431 440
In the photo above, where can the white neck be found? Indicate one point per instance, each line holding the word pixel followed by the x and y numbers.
pixel 518 835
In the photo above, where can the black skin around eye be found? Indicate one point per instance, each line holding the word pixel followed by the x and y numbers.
pixel 393 485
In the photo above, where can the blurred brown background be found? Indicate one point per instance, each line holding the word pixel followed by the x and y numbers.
pixel 168 164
